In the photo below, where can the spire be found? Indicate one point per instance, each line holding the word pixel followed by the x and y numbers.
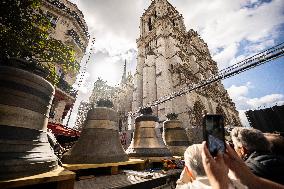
pixel 123 79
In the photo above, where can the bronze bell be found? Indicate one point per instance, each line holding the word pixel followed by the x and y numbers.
pixel 147 140
pixel 99 141
pixel 175 137
pixel 25 101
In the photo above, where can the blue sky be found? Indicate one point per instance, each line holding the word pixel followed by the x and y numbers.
pixel 233 30
pixel 266 79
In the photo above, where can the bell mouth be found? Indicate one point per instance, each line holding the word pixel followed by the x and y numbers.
pixel 26 152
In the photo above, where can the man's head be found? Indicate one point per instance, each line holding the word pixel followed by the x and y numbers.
pixel 247 140
pixel 193 160
pixel 277 142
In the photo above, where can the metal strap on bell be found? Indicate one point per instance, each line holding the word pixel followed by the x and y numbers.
pixel 25 101
pixel 147 141
pixel 175 137
pixel 99 141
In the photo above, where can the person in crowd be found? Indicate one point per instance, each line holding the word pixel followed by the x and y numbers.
pixel 253 147
pixel 193 176
pixel 277 143
pixel 216 171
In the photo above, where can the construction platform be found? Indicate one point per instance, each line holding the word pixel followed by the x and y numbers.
pixel 132 180
pixel 112 168
pixel 57 179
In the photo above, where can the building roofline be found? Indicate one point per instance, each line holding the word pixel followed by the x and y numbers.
pixel 83 25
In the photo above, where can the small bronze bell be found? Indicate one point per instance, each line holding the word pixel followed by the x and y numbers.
pixel 175 137
pixel 147 142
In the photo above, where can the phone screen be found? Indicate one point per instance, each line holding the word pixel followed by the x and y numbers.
pixel 214 133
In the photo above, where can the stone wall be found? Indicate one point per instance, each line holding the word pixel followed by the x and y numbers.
pixel 170 58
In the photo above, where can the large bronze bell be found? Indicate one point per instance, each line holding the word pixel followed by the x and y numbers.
pixel 147 140
pixel 99 141
pixel 175 137
pixel 25 101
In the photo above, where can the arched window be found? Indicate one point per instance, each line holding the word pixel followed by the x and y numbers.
pixel 150 24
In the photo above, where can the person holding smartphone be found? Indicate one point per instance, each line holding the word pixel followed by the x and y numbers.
pixel 217 156
pixel 216 170
pixel 213 133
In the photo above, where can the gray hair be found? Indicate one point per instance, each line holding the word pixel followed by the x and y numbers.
pixel 251 139
pixel 193 159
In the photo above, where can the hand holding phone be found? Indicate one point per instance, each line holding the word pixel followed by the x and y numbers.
pixel 213 133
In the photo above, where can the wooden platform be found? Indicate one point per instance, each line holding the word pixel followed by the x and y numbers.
pixel 137 164
pixel 58 179
pixel 158 159
pixel 128 181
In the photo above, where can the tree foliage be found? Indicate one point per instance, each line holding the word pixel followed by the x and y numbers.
pixel 24 33
pixel 102 90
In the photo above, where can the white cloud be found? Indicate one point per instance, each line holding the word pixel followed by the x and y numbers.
pixel 224 57
pixel 266 101
pixel 225 24
pixel 114 23
pixel 239 95
pixel 236 91
pixel 243 118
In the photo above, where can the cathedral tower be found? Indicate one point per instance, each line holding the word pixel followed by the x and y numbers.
pixel 169 58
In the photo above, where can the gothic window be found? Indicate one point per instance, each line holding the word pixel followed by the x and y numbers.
pixel 120 125
pixel 149 24
pixel 60 73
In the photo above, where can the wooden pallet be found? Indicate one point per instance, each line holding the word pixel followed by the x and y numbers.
pixel 57 179
pixel 114 167
pixel 126 181
pixel 158 159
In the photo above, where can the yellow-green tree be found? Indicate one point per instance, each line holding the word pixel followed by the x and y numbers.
pixel 24 34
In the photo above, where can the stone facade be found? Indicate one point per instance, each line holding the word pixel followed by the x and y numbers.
pixel 68 26
pixel 121 96
pixel 170 58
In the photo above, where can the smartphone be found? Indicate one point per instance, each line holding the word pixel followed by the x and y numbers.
pixel 214 133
